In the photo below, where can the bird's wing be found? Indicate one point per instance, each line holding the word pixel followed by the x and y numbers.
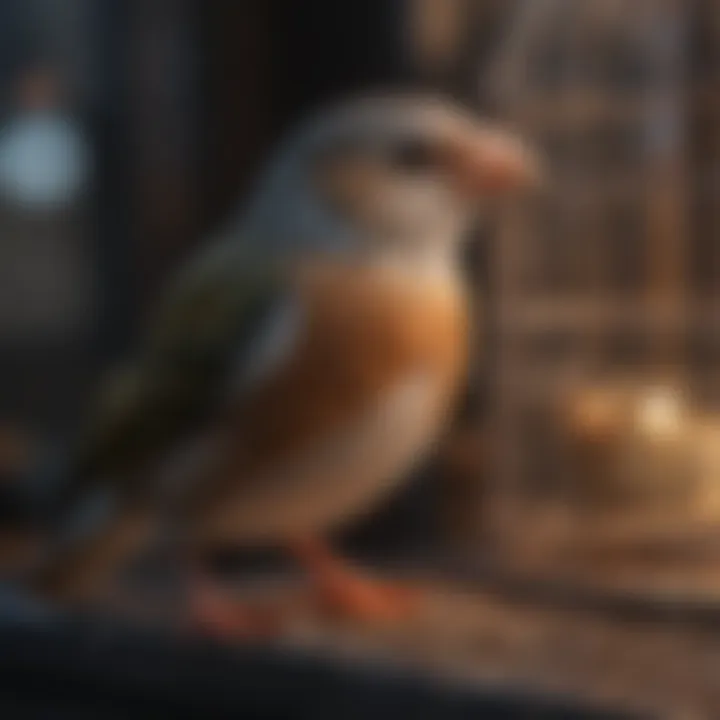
pixel 209 324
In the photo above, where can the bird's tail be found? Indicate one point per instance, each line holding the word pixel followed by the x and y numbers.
pixel 40 509
pixel 67 551
pixel 60 537
pixel 88 549
pixel 29 500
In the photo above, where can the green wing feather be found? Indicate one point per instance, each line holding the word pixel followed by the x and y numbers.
pixel 210 315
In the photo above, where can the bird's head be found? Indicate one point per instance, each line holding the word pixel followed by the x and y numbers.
pixel 393 171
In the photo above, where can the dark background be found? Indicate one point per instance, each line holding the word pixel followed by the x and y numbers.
pixel 181 101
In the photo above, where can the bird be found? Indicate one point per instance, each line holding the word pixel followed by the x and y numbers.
pixel 298 365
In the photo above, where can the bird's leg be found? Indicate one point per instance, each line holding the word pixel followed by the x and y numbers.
pixel 346 591
pixel 214 612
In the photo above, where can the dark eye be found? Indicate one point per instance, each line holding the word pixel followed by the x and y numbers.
pixel 413 155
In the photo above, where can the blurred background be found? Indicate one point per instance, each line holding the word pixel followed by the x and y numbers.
pixel 131 131
pixel 586 459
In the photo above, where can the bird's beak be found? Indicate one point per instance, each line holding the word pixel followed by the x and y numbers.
pixel 489 162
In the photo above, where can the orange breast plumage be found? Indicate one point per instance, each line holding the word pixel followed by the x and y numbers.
pixel 364 392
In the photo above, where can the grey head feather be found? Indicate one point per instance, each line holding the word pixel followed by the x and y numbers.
pixel 286 210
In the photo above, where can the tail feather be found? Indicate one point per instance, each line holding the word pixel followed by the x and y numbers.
pixel 26 502
pixel 81 564
pixel 61 538
pixel 34 512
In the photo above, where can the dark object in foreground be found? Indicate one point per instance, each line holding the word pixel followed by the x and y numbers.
pixel 74 670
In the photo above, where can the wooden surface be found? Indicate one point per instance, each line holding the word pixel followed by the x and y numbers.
pixel 655 658
pixel 78 672
pixel 667 670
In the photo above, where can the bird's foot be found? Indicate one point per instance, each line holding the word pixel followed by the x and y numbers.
pixel 354 596
pixel 214 614
pixel 346 592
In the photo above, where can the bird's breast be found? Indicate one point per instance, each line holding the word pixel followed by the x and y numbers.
pixel 364 392
pixel 387 320
pixel 365 331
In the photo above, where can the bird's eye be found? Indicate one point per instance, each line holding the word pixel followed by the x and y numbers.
pixel 413 155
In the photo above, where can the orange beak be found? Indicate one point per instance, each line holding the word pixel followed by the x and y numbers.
pixel 493 163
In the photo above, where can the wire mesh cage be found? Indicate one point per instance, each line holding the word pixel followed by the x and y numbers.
pixel 607 375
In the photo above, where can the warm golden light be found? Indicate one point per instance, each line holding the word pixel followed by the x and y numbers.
pixel 659 412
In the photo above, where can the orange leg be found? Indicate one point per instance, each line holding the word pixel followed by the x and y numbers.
pixel 345 591
pixel 215 614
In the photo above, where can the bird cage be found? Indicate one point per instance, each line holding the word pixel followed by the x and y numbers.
pixel 607 290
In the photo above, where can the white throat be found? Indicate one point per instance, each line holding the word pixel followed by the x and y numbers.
pixel 427 260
